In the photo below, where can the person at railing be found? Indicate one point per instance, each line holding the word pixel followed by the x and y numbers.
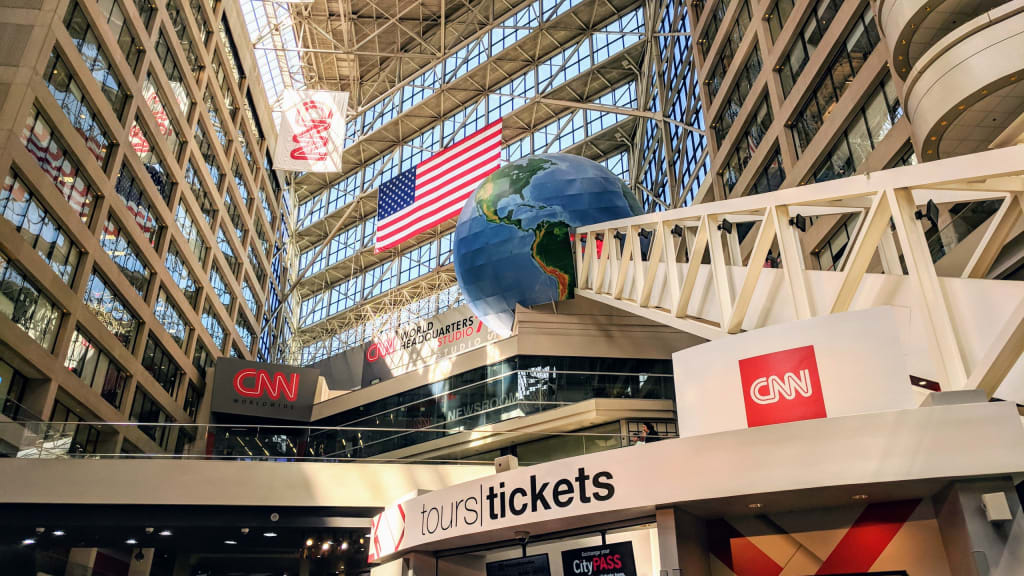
pixel 648 433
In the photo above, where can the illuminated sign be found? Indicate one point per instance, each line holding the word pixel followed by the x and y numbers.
pixel 604 560
pixel 264 390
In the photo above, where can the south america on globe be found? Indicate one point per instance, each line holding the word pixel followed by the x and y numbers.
pixel 512 242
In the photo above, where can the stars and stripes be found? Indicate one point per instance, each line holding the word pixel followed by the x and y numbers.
pixel 435 189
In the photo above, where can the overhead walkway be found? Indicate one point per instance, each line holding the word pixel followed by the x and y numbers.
pixel 684 267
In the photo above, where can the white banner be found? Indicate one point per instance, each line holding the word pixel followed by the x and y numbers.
pixel 424 343
pixel 311 136
pixel 834 365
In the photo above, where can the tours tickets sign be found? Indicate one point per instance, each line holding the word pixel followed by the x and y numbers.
pixel 604 560
pixel 416 345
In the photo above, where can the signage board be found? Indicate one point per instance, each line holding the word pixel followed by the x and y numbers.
pixel 536 565
pixel 604 560
pixel 834 365
pixel 264 390
pixel 423 343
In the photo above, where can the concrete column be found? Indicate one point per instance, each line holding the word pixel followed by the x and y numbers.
pixel 80 562
pixel 974 546
pixel 141 567
pixel 682 543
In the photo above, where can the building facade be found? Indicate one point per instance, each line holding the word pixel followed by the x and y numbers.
pixel 143 228
pixel 811 91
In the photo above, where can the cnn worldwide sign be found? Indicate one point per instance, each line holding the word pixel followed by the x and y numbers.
pixel 272 391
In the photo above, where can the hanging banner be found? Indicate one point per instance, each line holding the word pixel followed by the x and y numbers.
pixel 311 136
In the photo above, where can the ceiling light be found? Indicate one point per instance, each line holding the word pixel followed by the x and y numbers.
pixel 755 506
pixel 165 533
pixel 230 542
pixel 58 532
pixel 270 534
pixel 325 546
pixel 27 542
pixel 131 541
pixel 344 545
pixel 309 541
pixel 860 496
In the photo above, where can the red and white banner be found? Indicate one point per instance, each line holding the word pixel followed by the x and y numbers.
pixel 311 136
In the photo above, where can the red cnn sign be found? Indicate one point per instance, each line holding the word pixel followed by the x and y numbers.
pixel 261 382
pixel 782 387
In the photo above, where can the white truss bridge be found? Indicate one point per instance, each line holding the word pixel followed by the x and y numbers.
pixel 685 269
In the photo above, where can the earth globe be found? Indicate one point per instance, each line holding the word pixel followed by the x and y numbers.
pixel 512 240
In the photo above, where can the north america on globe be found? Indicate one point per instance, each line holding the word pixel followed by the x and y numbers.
pixel 512 241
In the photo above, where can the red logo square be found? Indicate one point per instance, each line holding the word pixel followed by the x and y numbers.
pixel 782 387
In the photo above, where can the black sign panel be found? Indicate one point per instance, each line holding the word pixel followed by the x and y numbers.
pixel 264 390
pixel 526 566
pixel 605 560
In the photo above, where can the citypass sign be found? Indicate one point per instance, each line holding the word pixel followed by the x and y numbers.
pixel 414 346
pixel 311 137
pixel 264 390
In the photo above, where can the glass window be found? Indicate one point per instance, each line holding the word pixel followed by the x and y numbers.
pixel 96 368
pixel 52 156
pixel 166 59
pixel 26 305
pixel 111 310
pixel 39 228
pixel 126 41
pixel 168 315
pixel 192 236
pixel 777 17
pixel 234 264
pixel 95 57
pixel 145 409
pixel 213 326
pixel 84 437
pixel 193 397
pixel 195 182
pixel 137 201
pixel 867 127
pixel 202 359
pixel 245 331
pixel 120 249
pixel 747 145
pixel 79 111
pixel 220 288
pixel 159 363
pixel 181 275
pixel 180 25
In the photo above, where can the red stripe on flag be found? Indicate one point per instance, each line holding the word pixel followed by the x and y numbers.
pixel 403 234
pixel 869 536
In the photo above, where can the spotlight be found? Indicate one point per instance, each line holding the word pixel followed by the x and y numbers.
pixel 799 221
pixel 165 533
pixel 344 545
pixel 28 542
pixel 58 532
pixel 620 235
pixel 725 226
pixel 231 542
pixel 131 541
pixel 309 541
pixel 930 212
pixel 270 534
pixel 645 234
pixel 326 546
pixel 677 231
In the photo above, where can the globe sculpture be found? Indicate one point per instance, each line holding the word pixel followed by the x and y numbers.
pixel 512 241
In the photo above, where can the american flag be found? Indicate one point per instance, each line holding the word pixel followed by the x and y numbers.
pixel 435 189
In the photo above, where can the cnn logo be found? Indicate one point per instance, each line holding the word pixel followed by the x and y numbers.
pixel 782 387
pixel 260 382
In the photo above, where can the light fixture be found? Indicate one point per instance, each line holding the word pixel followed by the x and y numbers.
pixel 755 505
pixel 58 532
pixel 27 542
pixel 165 533
pixel 326 546
pixel 677 231
pixel 231 542
pixel 131 541
pixel 799 221
pixel 40 530
pixel 725 225
pixel 344 545
pixel 309 541
pixel 149 530
pixel 860 496
pixel 270 534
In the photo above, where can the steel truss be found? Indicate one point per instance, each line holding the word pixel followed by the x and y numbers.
pixel 399 41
